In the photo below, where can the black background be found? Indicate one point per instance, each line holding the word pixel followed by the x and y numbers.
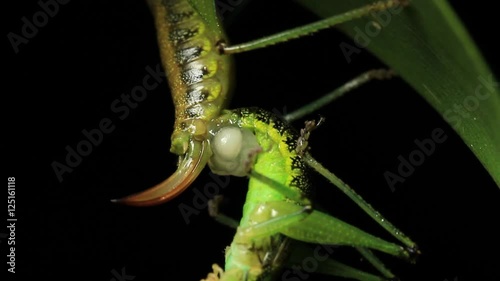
pixel 65 79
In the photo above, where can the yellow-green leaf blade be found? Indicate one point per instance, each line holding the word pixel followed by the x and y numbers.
pixel 208 11
pixel 430 48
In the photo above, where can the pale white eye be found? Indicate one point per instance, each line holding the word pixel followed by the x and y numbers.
pixel 227 143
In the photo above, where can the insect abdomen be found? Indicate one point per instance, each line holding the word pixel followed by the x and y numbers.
pixel 199 77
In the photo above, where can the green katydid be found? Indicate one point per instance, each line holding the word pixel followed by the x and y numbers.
pixel 277 205
pixel 195 55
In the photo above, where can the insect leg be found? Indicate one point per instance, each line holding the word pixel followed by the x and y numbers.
pixel 274 217
pixel 216 274
pixel 328 266
pixel 213 211
pixel 320 228
pixel 303 224
pixel 311 28
pixel 360 80
pixel 374 214
pixel 372 258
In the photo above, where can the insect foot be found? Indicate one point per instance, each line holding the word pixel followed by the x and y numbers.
pixel 413 252
pixel 213 205
pixel 216 274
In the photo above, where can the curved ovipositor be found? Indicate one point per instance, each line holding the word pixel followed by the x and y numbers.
pixel 200 80
pixel 189 168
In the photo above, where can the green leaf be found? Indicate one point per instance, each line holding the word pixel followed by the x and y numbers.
pixel 427 45
pixel 207 10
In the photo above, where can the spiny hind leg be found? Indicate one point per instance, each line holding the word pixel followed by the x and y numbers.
pixel 302 147
pixel 320 228
pixel 411 247
pixel 299 221
pixel 304 224
pixel 319 257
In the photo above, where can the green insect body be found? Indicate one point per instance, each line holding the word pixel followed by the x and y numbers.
pixel 200 80
pixel 277 206
pixel 199 77
pixel 253 259
pixel 251 142
pixel 197 60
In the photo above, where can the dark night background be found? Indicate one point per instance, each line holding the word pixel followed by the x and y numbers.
pixel 65 79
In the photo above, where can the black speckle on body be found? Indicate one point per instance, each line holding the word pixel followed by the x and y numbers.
pixel 183 56
pixel 195 111
pixel 194 75
pixel 194 96
pixel 182 34
pixel 299 169
pixel 178 17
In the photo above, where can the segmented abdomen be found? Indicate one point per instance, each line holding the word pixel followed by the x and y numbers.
pixel 199 77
